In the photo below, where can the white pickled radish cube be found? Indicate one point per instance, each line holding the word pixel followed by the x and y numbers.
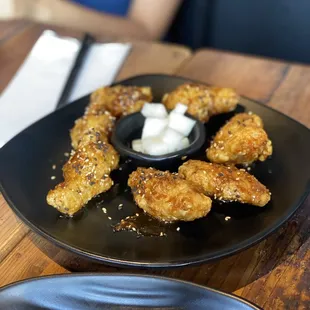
pixel 157 110
pixel 181 123
pixel 155 146
pixel 184 143
pixel 137 145
pixel 154 127
pixel 172 138
pixel 180 108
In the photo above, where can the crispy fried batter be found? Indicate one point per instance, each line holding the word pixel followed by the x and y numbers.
pixel 86 175
pixel 241 141
pixel 92 128
pixel 203 101
pixel 167 196
pixel 225 183
pixel 119 100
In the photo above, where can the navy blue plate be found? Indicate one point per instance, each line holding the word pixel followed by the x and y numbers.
pixel 115 291
pixel 25 178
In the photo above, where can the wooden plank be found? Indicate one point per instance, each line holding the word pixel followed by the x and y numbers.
pixel 25 261
pixel 292 97
pixel 12 230
pixel 256 78
pixel 10 28
pixel 286 286
pixel 13 52
pixel 153 58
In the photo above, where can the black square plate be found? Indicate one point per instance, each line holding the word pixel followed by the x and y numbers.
pixel 25 177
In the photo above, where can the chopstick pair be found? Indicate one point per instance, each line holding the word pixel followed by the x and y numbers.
pixel 86 43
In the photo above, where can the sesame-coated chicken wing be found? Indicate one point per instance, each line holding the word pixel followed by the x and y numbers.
pixel 86 174
pixel 241 141
pixel 226 183
pixel 92 128
pixel 119 100
pixel 167 196
pixel 202 101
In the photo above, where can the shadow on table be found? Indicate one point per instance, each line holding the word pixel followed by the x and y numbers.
pixel 228 274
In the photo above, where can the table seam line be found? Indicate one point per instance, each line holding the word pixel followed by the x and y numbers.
pixel 284 74
pixel 183 64
pixel 13 248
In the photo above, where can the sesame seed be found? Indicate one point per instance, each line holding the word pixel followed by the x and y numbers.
pixel 66 154
pixel 104 210
pixel 227 218
pixel 110 218
pixel 53 177
pixel 178 228
pixel 120 205
pixel 137 214
pixel 54 167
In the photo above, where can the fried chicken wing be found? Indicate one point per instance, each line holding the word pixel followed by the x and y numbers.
pixel 241 141
pixel 167 196
pixel 225 183
pixel 86 174
pixel 119 100
pixel 202 101
pixel 93 128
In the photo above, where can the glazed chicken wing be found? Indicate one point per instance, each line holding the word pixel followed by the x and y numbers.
pixel 225 183
pixel 167 196
pixel 86 175
pixel 93 128
pixel 119 100
pixel 202 101
pixel 241 141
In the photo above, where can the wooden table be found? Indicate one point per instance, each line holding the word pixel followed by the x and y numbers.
pixel 273 274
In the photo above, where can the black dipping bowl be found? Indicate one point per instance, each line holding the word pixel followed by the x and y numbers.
pixel 130 127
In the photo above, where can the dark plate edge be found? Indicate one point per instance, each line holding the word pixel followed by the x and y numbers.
pixel 165 265
pixel 169 279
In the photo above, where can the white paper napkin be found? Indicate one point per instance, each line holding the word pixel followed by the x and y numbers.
pixel 36 87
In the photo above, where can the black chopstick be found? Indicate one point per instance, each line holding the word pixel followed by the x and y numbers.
pixel 78 63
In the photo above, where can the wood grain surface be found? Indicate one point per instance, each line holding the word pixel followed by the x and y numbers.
pixel 273 274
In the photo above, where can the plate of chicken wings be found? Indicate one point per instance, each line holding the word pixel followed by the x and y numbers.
pixel 65 179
